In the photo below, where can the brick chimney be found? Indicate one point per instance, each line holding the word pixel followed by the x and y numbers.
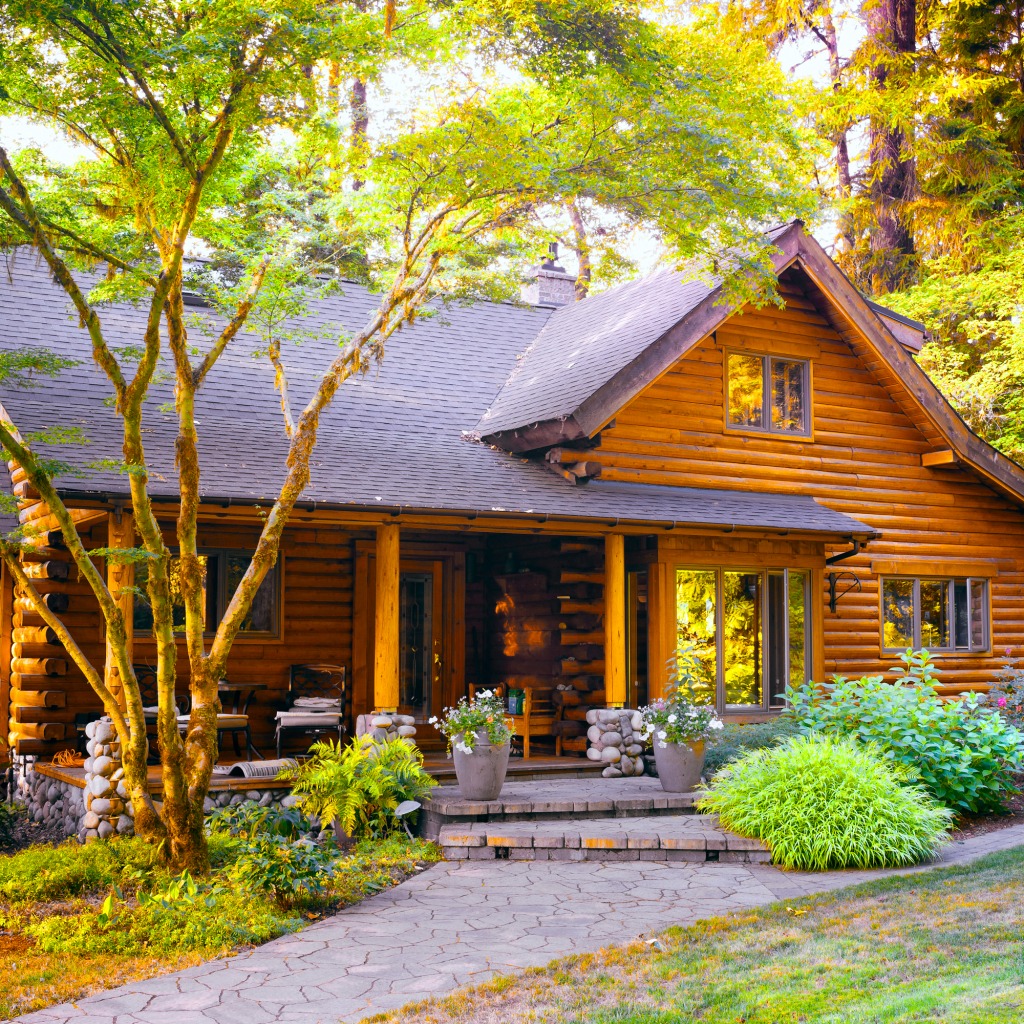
pixel 549 284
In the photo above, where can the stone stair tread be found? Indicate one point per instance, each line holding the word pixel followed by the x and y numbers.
pixel 677 833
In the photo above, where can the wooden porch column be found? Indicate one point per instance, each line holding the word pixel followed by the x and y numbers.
pixel 385 637
pixel 615 620
pixel 120 580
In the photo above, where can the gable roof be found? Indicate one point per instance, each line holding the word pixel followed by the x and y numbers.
pixel 394 439
pixel 599 363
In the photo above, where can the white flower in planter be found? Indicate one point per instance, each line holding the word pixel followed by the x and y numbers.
pixel 465 748
pixel 662 735
pixel 671 718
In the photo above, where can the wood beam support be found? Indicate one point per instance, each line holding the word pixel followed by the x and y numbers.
pixel 615 620
pixel 120 580
pixel 386 640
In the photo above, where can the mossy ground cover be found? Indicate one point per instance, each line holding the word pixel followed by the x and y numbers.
pixel 941 946
pixel 54 945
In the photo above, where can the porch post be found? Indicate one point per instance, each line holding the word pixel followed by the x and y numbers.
pixel 120 580
pixel 385 639
pixel 615 620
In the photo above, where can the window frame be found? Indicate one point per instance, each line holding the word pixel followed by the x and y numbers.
pixel 950 584
pixel 762 572
pixel 221 554
pixel 766 429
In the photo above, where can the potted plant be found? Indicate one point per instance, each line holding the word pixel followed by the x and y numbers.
pixel 479 734
pixel 679 726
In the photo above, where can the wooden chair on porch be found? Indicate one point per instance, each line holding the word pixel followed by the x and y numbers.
pixel 538 717
pixel 146 676
pixel 317 703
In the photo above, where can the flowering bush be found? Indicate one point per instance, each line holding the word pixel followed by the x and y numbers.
pixel 965 754
pixel 485 712
pixel 1007 693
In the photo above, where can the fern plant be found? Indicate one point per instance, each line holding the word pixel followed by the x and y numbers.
pixel 819 802
pixel 359 786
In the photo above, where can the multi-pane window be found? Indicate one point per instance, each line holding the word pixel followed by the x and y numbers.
pixel 939 614
pixel 748 630
pixel 768 393
pixel 223 572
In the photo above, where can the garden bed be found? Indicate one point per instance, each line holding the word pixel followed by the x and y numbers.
pixel 71 923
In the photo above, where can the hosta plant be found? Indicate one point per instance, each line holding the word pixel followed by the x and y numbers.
pixel 819 802
pixel 482 713
pixel 965 754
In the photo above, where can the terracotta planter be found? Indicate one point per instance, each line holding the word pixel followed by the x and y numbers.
pixel 679 765
pixel 482 773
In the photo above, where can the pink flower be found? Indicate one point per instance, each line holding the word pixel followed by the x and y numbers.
pixel 1001 702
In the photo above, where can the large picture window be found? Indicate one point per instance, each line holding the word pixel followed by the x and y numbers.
pixel 939 614
pixel 224 571
pixel 768 393
pixel 748 629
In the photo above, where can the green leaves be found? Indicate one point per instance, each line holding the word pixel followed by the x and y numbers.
pixel 965 755
pixel 821 803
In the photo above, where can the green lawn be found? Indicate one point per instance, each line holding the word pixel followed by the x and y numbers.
pixel 940 946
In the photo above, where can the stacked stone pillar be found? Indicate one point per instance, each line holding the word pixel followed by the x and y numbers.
pixel 384 726
pixel 614 738
pixel 107 808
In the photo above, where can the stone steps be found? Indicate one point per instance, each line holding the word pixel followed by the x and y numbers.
pixel 555 800
pixel 688 838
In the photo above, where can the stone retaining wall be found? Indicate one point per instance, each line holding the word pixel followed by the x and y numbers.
pixel 615 741
pixel 54 802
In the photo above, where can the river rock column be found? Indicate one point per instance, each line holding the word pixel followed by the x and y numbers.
pixel 614 737
pixel 382 727
pixel 107 808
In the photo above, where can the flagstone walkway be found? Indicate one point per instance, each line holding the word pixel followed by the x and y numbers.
pixel 455 924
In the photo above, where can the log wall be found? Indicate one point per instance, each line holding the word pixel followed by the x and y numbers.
pixel 864 459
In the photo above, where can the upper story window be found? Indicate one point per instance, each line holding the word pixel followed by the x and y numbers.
pixel 769 393
pixel 940 614
pixel 224 571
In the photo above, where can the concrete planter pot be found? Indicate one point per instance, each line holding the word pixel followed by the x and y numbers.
pixel 679 765
pixel 481 774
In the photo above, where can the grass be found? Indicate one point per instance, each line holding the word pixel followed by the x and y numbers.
pixel 47 891
pixel 940 946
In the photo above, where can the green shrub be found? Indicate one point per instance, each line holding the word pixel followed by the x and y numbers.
pixel 964 754
pixel 818 802
pixel 732 742
pixel 360 785
pixel 262 851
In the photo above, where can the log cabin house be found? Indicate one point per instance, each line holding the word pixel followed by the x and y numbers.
pixel 551 497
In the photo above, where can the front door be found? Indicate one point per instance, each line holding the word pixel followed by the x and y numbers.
pixel 421 639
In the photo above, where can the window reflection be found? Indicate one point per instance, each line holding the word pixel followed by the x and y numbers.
pixel 741 648
pixel 746 390
pixel 898 608
pixel 695 625
pixel 787 395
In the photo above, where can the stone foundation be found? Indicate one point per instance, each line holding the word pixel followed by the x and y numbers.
pixel 614 737
pixel 50 801
pixel 107 807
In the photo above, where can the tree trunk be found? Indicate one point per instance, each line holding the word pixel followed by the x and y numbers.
pixel 893 181
pixel 844 228
pixel 581 247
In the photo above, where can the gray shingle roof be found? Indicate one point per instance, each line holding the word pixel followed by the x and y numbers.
pixel 584 345
pixel 394 438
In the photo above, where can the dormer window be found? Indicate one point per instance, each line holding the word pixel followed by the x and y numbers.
pixel 768 393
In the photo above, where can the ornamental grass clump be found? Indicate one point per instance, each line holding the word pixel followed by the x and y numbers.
pixel 482 713
pixel 818 802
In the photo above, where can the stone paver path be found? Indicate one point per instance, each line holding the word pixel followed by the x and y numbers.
pixel 455 924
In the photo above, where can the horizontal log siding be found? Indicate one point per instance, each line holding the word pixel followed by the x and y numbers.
pixel 864 459
pixel 316 627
